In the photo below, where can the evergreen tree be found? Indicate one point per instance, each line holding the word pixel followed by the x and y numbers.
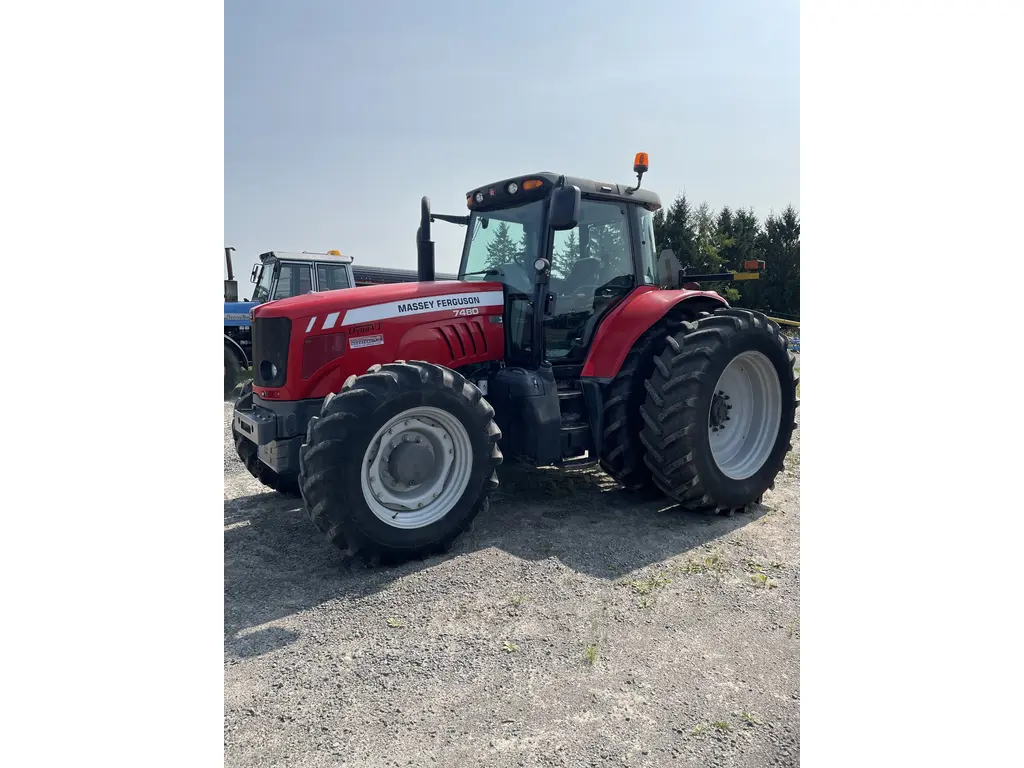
pixel 706 241
pixel 726 241
pixel 566 256
pixel 711 243
pixel 779 245
pixel 676 231
pixel 502 249
pixel 744 233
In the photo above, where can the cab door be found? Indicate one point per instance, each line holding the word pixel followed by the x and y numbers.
pixel 592 270
pixel 293 278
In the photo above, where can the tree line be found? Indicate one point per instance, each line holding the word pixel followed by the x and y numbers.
pixel 710 242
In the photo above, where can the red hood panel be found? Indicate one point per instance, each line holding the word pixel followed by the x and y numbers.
pixel 338 333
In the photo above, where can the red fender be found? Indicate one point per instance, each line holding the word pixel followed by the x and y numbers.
pixel 641 309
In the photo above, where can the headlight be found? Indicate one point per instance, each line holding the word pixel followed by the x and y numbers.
pixel 268 371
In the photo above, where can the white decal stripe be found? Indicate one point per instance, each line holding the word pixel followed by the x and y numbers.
pixel 424 305
pixel 312 322
pixel 330 320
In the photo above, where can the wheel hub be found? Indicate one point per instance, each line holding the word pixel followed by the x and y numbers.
pixel 410 461
pixel 719 413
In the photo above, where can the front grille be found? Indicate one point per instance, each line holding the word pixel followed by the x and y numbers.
pixel 270 337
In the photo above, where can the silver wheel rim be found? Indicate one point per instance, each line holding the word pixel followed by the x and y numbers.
pixel 745 415
pixel 416 467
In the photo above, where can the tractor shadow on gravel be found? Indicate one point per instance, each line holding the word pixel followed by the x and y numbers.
pixel 276 563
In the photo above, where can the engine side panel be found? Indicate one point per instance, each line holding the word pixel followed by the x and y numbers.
pixel 451 324
pixel 630 320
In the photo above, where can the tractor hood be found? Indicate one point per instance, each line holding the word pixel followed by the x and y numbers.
pixel 376 302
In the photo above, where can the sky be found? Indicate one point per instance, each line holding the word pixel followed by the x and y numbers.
pixel 340 115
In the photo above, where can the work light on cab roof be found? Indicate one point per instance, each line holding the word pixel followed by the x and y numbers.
pixel 502 192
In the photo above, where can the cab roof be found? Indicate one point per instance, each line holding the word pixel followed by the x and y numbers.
pixel 496 194
pixel 328 258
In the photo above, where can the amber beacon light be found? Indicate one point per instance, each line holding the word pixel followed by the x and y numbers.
pixel 639 168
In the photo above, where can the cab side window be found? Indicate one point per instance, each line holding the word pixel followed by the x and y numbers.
pixel 332 277
pixel 648 256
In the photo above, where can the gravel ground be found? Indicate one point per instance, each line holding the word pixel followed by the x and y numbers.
pixel 574 626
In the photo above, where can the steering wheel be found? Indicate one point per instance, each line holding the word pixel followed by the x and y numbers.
pixel 586 288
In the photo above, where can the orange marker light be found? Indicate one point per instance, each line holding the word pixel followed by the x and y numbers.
pixel 469 200
pixel 753 265
pixel 532 183
pixel 334 253
pixel 640 163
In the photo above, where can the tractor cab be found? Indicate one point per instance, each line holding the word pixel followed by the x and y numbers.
pixel 281 274
pixel 567 251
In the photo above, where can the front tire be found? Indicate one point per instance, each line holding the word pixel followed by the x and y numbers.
pixel 718 417
pixel 399 463
pixel 232 371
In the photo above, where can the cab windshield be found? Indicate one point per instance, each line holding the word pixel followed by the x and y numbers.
pixel 262 292
pixel 502 245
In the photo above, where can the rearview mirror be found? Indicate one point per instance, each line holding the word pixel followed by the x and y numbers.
pixel 252 275
pixel 565 208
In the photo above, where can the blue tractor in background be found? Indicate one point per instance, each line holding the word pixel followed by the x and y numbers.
pixel 279 275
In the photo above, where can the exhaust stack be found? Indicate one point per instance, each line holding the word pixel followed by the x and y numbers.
pixel 424 245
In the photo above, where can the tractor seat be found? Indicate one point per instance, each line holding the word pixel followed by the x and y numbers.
pixel 584 272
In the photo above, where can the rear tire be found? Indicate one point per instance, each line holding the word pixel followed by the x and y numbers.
pixel 731 363
pixel 248 454
pixel 622 453
pixel 387 517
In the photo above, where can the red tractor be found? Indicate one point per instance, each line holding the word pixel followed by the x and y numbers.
pixel 389 407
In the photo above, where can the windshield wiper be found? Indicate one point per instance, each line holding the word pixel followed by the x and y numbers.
pixel 491 271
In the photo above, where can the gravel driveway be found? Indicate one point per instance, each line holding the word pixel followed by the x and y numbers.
pixel 574 626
